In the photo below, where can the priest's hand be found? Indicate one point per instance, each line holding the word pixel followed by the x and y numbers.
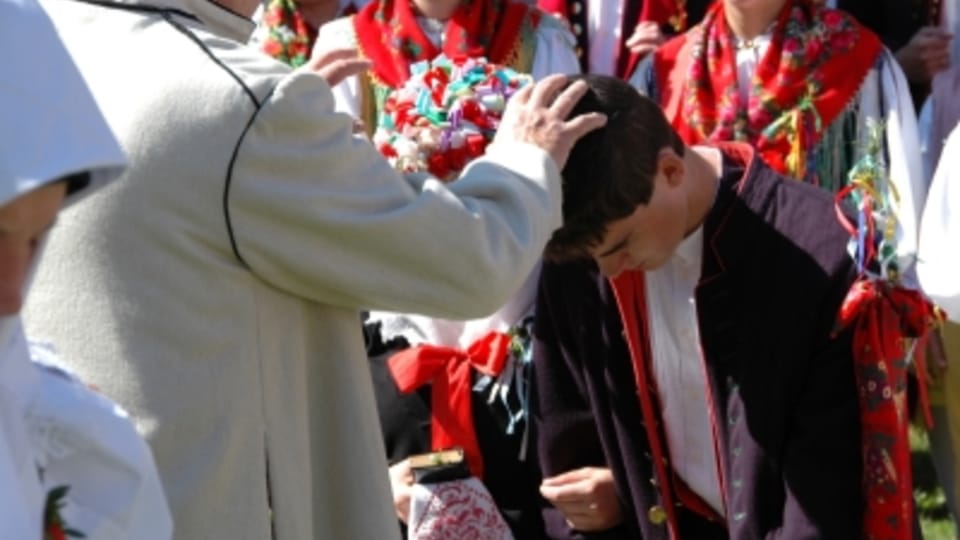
pixel 537 114
pixel 335 65
pixel 587 497
pixel 401 484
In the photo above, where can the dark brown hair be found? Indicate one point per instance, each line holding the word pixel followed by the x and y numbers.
pixel 610 171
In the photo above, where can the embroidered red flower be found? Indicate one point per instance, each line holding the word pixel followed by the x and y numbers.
pixel 54 528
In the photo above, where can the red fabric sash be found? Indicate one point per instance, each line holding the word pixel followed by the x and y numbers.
pixel 448 369
pixel 388 35
pixel 813 67
pixel 882 317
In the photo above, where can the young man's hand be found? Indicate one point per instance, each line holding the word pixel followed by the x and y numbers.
pixel 537 114
pixel 587 497
pixel 401 483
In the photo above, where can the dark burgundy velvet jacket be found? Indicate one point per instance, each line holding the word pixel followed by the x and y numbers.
pixel 775 271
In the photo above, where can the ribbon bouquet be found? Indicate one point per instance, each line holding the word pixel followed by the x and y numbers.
pixel 444 116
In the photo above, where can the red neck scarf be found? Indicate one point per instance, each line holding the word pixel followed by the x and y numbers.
pixel 389 35
pixel 812 69
pixel 289 38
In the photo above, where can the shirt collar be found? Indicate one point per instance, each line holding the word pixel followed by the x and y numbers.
pixel 690 250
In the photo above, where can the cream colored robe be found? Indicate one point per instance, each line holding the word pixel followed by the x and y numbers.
pixel 218 282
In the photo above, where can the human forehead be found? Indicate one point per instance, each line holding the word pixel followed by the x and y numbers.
pixel 616 236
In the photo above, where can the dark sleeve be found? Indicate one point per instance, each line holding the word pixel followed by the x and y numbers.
pixel 566 432
pixel 823 450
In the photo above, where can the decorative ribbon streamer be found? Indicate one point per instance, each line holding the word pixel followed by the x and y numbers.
pixel 445 114
pixel 448 369
pixel 882 316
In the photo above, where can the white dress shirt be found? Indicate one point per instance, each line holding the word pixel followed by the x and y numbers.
pixel 679 370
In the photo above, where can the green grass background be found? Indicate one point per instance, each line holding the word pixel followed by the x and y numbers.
pixel 931 504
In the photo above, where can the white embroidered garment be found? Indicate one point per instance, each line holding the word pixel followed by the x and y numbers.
pixel 86 442
pixel 938 263
pixel 679 371
pixel 455 510
pixel 22 495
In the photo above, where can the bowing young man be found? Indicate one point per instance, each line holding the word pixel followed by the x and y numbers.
pixel 690 379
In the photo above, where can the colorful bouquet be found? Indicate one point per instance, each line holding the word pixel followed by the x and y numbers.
pixel 445 114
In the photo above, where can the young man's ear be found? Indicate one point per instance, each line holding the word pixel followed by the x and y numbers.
pixel 670 165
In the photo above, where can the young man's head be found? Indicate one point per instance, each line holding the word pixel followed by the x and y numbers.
pixel 624 197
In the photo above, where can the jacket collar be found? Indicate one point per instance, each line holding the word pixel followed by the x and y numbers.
pixel 723 244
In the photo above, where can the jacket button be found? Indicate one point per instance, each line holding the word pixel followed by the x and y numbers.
pixel 657 515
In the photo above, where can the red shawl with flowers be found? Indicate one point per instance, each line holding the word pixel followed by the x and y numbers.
pixel 288 36
pixel 790 103
pixel 388 34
